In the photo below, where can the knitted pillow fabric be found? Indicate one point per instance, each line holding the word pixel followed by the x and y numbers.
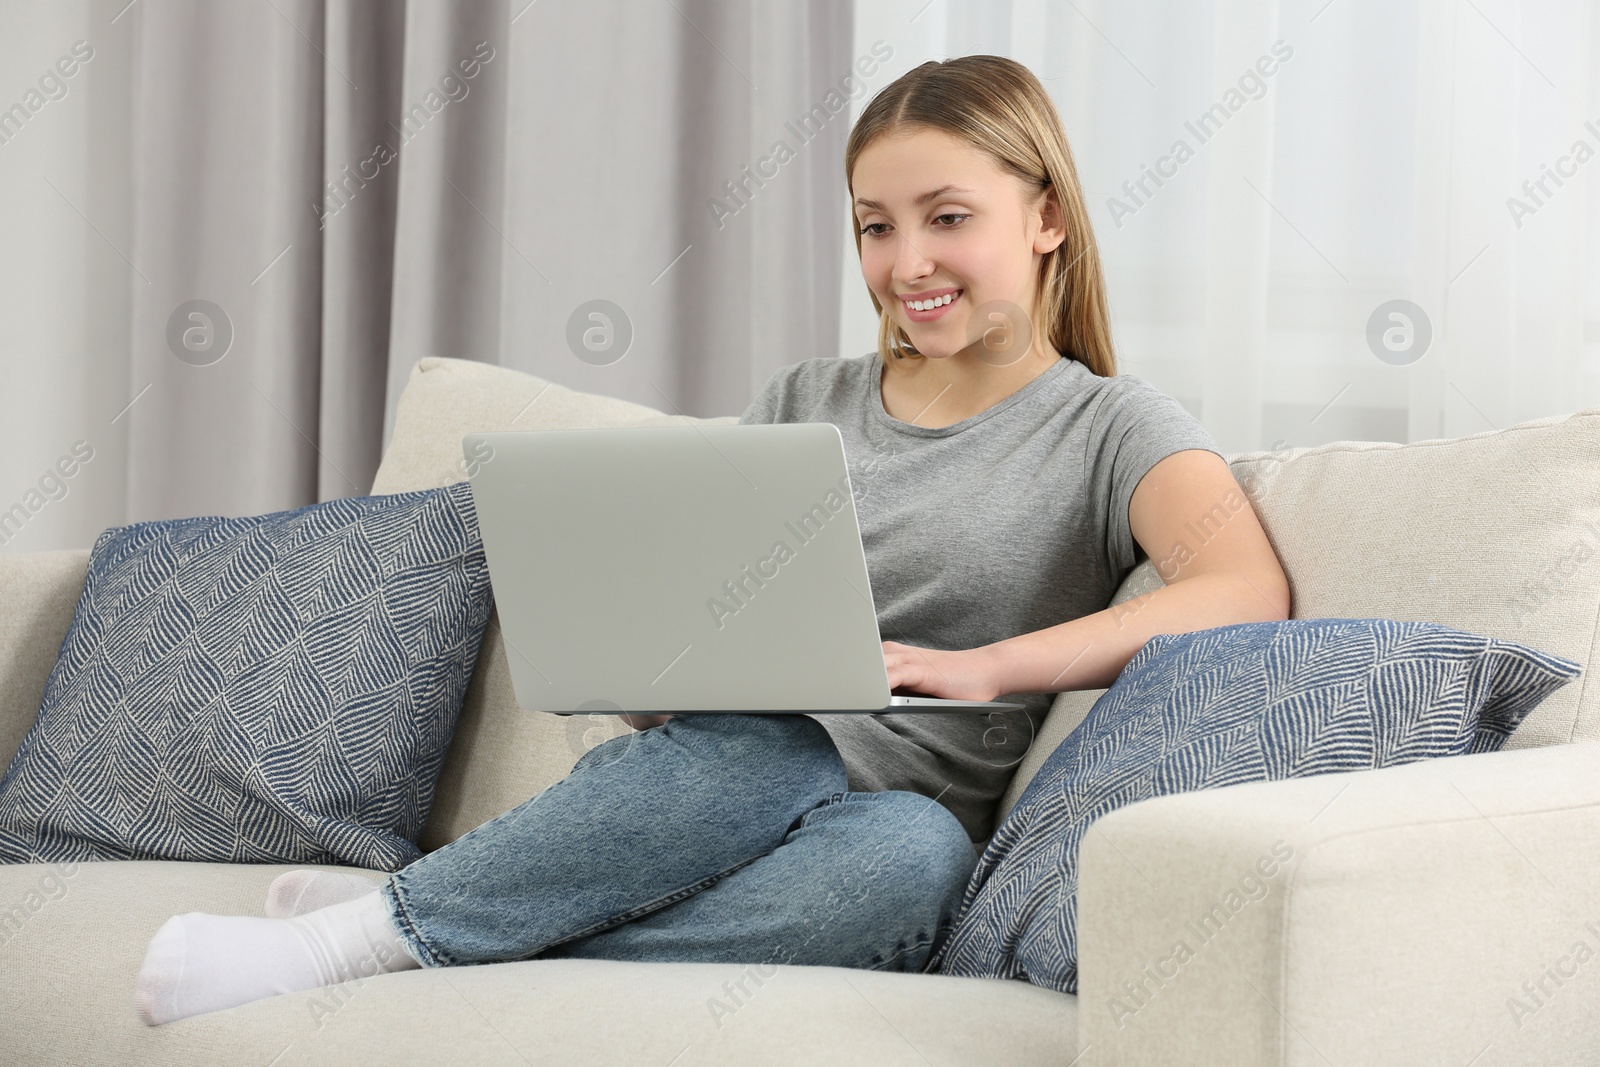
pixel 1245 703
pixel 273 689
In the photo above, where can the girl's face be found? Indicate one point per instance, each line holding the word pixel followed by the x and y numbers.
pixel 974 236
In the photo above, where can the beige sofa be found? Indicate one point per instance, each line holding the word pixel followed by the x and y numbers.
pixel 1429 914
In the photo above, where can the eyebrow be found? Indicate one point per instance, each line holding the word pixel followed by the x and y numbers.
pixel 933 194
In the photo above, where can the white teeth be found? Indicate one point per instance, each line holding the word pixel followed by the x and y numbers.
pixel 929 305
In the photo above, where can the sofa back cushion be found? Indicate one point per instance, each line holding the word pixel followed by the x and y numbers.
pixel 501 754
pixel 1497 533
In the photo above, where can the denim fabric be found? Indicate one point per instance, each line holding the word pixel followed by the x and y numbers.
pixel 711 838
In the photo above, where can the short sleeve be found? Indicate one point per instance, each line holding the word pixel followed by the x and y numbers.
pixel 1136 427
pixel 765 407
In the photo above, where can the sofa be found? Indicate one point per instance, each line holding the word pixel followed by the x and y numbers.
pixel 1445 912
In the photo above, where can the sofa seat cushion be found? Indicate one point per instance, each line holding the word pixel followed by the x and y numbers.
pixel 73 937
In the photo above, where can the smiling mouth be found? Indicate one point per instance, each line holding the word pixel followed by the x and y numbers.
pixel 931 309
pixel 929 305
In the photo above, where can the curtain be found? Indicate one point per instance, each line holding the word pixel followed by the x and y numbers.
pixel 232 229
pixel 1342 156
pixel 238 227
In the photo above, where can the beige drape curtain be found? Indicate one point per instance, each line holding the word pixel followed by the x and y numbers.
pixel 260 215
pixel 252 125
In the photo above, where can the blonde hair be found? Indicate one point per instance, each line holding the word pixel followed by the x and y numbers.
pixel 997 105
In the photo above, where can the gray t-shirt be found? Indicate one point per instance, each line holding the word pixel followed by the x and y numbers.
pixel 1011 521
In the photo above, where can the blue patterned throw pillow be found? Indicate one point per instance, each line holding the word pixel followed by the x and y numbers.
pixel 1245 703
pixel 273 689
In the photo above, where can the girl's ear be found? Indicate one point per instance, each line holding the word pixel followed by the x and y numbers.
pixel 1052 230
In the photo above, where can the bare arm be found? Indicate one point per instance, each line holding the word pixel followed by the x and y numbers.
pixel 1231 576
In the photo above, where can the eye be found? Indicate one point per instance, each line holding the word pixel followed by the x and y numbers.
pixel 865 230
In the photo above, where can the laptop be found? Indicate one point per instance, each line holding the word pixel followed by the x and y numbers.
pixel 683 569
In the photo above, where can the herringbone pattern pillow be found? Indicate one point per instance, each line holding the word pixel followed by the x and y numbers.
pixel 1245 703
pixel 273 689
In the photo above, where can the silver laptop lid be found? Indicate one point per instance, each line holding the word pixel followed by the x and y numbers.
pixel 678 568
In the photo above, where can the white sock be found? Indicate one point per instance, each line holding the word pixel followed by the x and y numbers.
pixel 297 892
pixel 200 963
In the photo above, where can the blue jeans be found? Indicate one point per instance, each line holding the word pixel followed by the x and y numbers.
pixel 710 838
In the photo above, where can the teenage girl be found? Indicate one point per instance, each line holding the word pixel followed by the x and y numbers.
pixel 1006 479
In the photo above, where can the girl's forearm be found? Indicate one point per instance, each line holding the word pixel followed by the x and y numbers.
pixel 1089 652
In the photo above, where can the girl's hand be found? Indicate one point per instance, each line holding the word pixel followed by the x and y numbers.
pixel 645 722
pixel 959 675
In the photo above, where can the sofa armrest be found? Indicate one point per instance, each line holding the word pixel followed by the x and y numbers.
pixel 38 594
pixel 1420 914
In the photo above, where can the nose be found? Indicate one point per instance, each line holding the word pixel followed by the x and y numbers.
pixel 909 262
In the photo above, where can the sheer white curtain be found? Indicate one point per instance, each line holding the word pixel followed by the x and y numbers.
pixel 1357 152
